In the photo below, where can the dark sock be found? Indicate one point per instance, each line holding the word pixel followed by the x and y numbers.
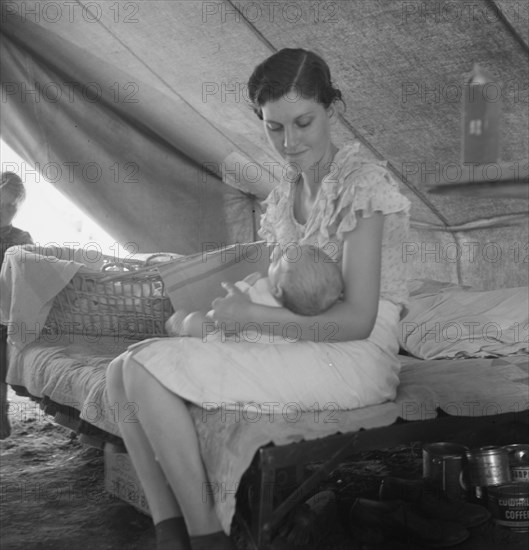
pixel 213 541
pixel 5 426
pixel 171 534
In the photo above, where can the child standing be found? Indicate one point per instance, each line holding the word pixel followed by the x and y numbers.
pixel 12 195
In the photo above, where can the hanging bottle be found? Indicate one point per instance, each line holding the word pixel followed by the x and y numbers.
pixel 481 118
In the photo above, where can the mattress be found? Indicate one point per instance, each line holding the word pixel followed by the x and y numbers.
pixel 70 370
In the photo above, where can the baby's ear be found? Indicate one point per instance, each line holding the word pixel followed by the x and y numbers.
pixel 277 292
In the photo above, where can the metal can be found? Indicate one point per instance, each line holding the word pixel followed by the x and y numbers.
pixel 518 452
pixel 489 466
pixel 518 462
pixel 445 464
pixel 509 505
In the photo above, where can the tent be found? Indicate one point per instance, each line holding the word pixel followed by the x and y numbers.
pixel 137 111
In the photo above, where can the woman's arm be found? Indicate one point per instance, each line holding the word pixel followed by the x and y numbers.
pixel 351 319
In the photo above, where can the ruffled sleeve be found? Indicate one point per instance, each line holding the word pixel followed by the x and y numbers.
pixel 270 218
pixel 367 187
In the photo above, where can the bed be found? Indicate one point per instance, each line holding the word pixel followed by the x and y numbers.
pixel 464 361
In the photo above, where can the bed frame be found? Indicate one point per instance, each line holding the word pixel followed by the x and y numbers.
pixel 268 483
pixel 277 481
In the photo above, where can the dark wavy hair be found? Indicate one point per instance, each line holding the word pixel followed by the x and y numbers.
pixel 292 70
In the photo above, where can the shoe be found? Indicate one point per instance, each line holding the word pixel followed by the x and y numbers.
pixel 309 523
pixel 431 503
pixel 397 521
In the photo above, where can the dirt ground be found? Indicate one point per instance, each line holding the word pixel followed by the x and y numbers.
pixel 53 498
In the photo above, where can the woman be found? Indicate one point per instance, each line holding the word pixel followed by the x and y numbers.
pixel 349 207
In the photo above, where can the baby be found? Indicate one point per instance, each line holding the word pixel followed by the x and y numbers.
pixel 307 285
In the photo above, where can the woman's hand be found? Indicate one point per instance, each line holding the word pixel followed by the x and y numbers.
pixel 229 312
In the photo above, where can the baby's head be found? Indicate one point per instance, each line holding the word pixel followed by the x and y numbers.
pixel 307 282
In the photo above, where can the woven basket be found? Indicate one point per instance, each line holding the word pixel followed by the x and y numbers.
pixel 125 300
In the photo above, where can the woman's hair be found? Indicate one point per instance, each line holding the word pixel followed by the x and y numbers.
pixel 297 71
pixel 311 283
pixel 12 182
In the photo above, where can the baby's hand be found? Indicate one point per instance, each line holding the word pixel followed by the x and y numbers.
pixel 252 278
pixel 173 325
pixel 198 325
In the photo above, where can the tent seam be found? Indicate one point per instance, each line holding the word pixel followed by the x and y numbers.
pixel 508 25
pixel 254 29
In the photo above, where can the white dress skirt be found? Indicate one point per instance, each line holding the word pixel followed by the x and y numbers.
pixel 215 372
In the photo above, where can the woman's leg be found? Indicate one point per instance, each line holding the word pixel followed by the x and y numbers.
pixel 170 429
pixel 162 502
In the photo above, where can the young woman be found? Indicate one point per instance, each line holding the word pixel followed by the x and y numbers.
pixel 346 205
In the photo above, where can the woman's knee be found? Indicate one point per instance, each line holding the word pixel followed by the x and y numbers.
pixel 136 380
pixel 122 377
pixel 114 377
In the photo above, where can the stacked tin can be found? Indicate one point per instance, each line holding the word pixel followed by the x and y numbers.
pixel 504 474
pixel 445 464
pixel 497 477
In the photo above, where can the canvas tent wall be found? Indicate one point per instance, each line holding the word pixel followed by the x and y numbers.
pixel 135 111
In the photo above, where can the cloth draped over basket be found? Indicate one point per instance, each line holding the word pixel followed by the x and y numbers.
pixel 29 281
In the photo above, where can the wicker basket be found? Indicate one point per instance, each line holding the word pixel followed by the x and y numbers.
pixel 125 300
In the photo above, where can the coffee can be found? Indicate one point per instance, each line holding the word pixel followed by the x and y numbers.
pixel 489 466
pixel 509 505
pixel 445 463
pixel 518 462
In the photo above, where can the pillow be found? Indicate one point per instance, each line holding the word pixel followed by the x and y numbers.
pixel 450 321
pixel 418 287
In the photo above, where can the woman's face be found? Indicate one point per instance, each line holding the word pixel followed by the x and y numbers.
pixel 299 130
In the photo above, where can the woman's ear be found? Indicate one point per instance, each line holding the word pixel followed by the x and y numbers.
pixel 332 114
